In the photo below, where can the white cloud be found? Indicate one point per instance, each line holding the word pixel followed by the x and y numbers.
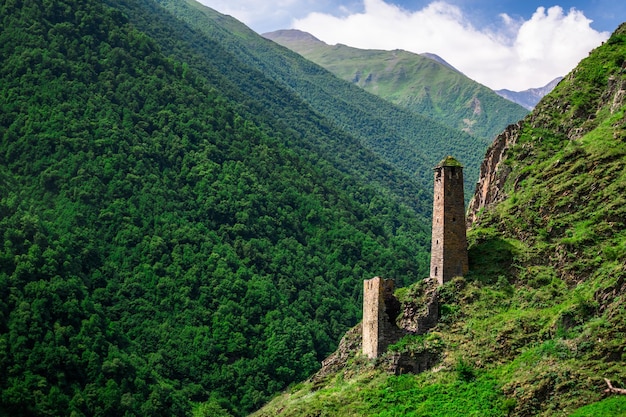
pixel 270 15
pixel 519 55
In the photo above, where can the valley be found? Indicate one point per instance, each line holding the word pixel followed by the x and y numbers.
pixel 189 210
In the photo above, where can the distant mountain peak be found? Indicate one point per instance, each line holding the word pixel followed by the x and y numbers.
pixel 291 35
pixel 439 59
pixel 529 98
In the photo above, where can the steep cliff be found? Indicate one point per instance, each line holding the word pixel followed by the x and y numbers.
pixel 493 173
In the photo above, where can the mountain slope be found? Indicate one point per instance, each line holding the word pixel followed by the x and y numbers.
pixel 261 98
pixel 168 240
pixel 421 84
pixel 538 323
pixel 411 142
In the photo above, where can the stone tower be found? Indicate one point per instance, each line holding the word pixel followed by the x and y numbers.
pixel 448 256
pixel 380 309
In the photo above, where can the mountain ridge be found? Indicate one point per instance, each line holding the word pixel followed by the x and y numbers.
pixel 411 142
pixel 419 83
pixel 439 59
pixel 530 97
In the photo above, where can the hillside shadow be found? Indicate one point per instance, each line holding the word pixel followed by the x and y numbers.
pixel 490 259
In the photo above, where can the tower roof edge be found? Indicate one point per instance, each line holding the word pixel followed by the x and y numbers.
pixel 449 161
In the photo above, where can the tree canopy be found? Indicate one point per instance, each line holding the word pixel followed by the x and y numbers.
pixel 164 243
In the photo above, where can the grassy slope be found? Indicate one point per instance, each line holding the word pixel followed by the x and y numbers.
pixel 417 83
pixel 540 320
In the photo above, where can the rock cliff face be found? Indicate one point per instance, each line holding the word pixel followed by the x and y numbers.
pixel 493 174
pixel 421 312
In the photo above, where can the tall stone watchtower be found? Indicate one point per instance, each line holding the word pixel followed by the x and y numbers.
pixel 448 256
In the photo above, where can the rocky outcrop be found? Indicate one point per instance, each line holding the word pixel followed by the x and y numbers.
pixel 555 114
pixel 616 92
pixel 399 363
pixel 421 313
pixel 415 317
pixel 349 346
pixel 493 174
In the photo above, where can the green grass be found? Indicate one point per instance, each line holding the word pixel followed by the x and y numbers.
pixel 375 394
pixel 480 397
pixel 610 407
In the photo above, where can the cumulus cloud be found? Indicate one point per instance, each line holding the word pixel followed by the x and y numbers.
pixel 517 55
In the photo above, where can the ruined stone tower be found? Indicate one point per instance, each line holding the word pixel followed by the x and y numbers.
pixel 448 256
pixel 380 309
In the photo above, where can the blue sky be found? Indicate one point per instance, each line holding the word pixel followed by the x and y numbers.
pixel 502 44
pixel 606 14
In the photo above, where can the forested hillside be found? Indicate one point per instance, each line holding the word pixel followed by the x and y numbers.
pixel 168 239
pixel 267 101
pixel 408 141
pixel 538 325
pixel 418 83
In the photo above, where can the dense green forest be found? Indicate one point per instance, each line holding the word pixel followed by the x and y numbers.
pixel 408 141
pixel 167 239
pixel 225 64
pixel 538 324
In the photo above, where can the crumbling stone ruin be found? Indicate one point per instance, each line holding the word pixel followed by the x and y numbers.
pixel 416 317
pixel 386 321
pixel 380 309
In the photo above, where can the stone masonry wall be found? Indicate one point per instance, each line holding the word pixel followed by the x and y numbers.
pixel 380 309
pixel 449 242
